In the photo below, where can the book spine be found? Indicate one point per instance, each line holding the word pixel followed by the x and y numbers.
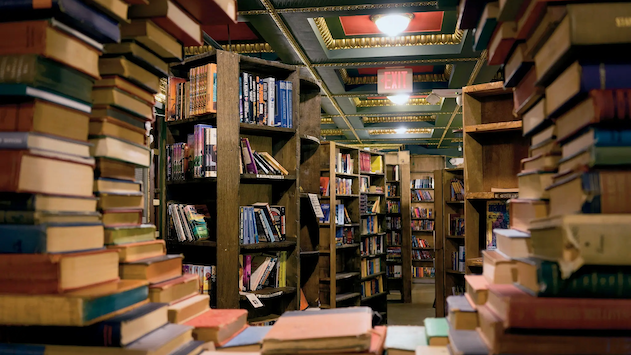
pixel 608 191
pixel 26 239
pixel 213 68
pixel 290 107
pixel 241 99
pixel 278 118
pixel 587 282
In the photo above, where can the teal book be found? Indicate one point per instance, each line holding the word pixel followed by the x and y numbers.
pixel 26 91
pixel 436 331
pixel 45 74
pixel 404 338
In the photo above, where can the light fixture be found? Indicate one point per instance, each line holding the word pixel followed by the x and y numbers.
pixel 401 130
pixel 399 99
pixel 433 99
pixel 392 24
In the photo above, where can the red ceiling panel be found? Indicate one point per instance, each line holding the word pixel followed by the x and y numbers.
pixel 417 69
pixel 422 22
pixel 238 32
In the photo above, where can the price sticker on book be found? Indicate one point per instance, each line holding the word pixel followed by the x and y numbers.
pixel 255 301
pixel 315 203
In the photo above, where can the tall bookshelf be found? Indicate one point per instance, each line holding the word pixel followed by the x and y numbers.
pixel 339 260
pixel 225 193
pixel 449 228
pixel 399 284
pixel 493 148
pixel 309 133
pixel 422 167
pixel 373 193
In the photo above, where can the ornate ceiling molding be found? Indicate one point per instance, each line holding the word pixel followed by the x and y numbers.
pixel 243 48
pixel 394 63
pixel 362 7
pixel 378 42
pixel 374 132
pixel 372 94
pixel 385 102
pixel 326 120
pixel 417 78
pixel 382 119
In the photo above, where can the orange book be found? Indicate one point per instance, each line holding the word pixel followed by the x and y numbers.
pixel 137 251
pixel 156 269
pixel 212 94
pixel 477 288
pixel 218 325
pixel 175 289
pixel 38 37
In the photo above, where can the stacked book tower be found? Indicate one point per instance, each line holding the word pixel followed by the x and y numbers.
pixel 558 281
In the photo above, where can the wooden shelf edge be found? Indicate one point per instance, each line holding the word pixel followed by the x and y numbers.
pixel 493 127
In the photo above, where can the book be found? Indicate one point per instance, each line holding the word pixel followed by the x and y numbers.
pixel 27 92
pixel 569 40
pixel 594 157
pixel 347 329
pixel 51 237
pixel 600 191
pixel 183 310
pixel 174 289
pixel 116 9
pixel 44 74
pixel 462 314
pixel 10 201
pixel 118 331
pixel 578 79
pixel 467 342
pixel 501 43
pixel 49 218
pixel 22 168
pixel 534 119
pixel 517 65
pixel 597 137
pixel 522 211
pixel 43 117
pixel 218 325
pixel 114 169
pixel 50 43
pixel 115 81
pixel 120 115
pixel 477 288
pixel 403 340
pixel 154 270
pixel 105 96
pixel 107 126
pixel 436 330
pixel 131 252
pixel 486 26
pixel 115 186
pixel 554 239
pixel 431 350
pixel 153 37
pixel 172 19
pixel 497 267
pixel 137 55
pixel 74 13
pixel 527 93
pixel 36 141
pixel 497 216
pixel 108 147
pixel 249 339
pixel 129 234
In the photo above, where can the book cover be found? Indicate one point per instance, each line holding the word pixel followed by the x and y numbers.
pixel 496 217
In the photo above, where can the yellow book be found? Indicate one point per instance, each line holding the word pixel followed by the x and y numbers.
pixel 153 37
pixel 188 308
pixel 376 164
pixel 114 8
pixel 107 147
pixel 120 99
pixel 130 71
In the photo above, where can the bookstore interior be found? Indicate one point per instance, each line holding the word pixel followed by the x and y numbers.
pixel 186 177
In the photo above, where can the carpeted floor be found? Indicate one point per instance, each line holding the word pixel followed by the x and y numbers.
pixel 409 313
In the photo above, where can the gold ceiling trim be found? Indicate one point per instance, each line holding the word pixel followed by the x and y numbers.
pixel 195 50
pixel 386 63
pixel 331 132
pixel 382 119
pixel 374 132
pixel 382 114
pixel 351 95
pixel 385 102
pixel 243 48
pixel 417 78
pixel 362 7
pixel 378 42
pixel 326 120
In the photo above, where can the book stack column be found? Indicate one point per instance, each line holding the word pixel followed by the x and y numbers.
pixel 561 262
pixel 63 289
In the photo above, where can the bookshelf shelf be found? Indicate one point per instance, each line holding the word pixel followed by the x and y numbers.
pixel 474 262
pixel 373 256
pixel 455 236
pixel 197 243
pixel 497 127
pixel 422 248
pixel 393 197
pixel 341 196
pixel 423 201
pixel 346 296
pixel 310 253
pixel 370 173
pixel 208 180
pixel 372 214
pixel 207 118
pixel 422 188
pixel 424 280
pixel 422 219
pixel 266 179
pixel 255 247
pixel 343 174
pixel 374 193
pixel 371 234
pixel 341 276
pixel 372 276
pixel 253 129
pixel 454 272
pixel 422 230
pixel 309 139
pixel 271 292
pixel 455 202
pixel 377 295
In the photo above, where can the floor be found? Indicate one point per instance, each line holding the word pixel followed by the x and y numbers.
pixel 409 313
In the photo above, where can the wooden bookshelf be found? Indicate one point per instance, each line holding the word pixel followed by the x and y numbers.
pixel 343 257
pixel 309 133
pixel 403 284
pixel 445 209
pixel 224 194
pixel 375 191
pixel 423 167
pixel 493 147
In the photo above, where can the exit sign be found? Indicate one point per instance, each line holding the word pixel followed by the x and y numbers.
pixel 394 81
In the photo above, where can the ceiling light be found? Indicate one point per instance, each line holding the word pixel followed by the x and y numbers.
pixel 392 24
pixel 401 130
pixel 433 99
pixel 399 99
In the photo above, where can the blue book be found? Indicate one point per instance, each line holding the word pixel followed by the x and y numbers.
pixel 40 238
pixel 74 13
pixel 250 337
pixel 15 201
pixel 283 94
pixel 278 114
pixel 290 106
pixel 610 137
pixel 191 348
pixel 115 332
pixel 21 90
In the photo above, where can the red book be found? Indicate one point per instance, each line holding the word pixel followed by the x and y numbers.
pixel 518 309
pixel 218 325
pixel 526 93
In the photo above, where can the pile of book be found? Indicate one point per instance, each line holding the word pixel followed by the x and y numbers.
pixel 262 223
pixel 423 272
pixel 456 190
pixel 394 238
pixel 197 158
pixel 557 281
pixel 421 255
pixel 393 222
pixel 418 212
pixel 420 243
pixel 426 182
pixel 187 222
pixel 253 162
pixel 263 270
pixel 421 195
pixel 430 338
pixel 372 245
pixel 265 101
pixel 394 206
pixel 423 225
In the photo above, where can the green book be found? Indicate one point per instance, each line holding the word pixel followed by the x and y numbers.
pixel 404 339
pixel 16 90
pixel 130 234
pixel 45 74
pixel 436 331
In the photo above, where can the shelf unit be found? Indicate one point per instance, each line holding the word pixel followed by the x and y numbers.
pixel 224 194
pixel 445 210
pixel 493 147
pixel 343 257
pixel 374 191
pixel 400 288
pixel 423 167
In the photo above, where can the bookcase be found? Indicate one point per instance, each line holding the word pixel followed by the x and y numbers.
pixel 399 270
pixel 449 204
pixel 426 248
pixel 224 194
pixel 493 146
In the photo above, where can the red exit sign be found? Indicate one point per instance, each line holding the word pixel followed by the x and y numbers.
pixel 394 81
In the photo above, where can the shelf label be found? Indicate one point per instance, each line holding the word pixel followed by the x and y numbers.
pixel 315 204
pixel 254 301
pixel 507 195
pixel 277 177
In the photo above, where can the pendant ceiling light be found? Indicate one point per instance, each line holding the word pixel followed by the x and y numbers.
pixel 399 99
pixel 392 24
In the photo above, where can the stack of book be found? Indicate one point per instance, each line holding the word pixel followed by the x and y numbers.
pixel 253 162
pixel 187 222
pixel 262 223
pixel 557 281
pixel 430 338
pixel 265 101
